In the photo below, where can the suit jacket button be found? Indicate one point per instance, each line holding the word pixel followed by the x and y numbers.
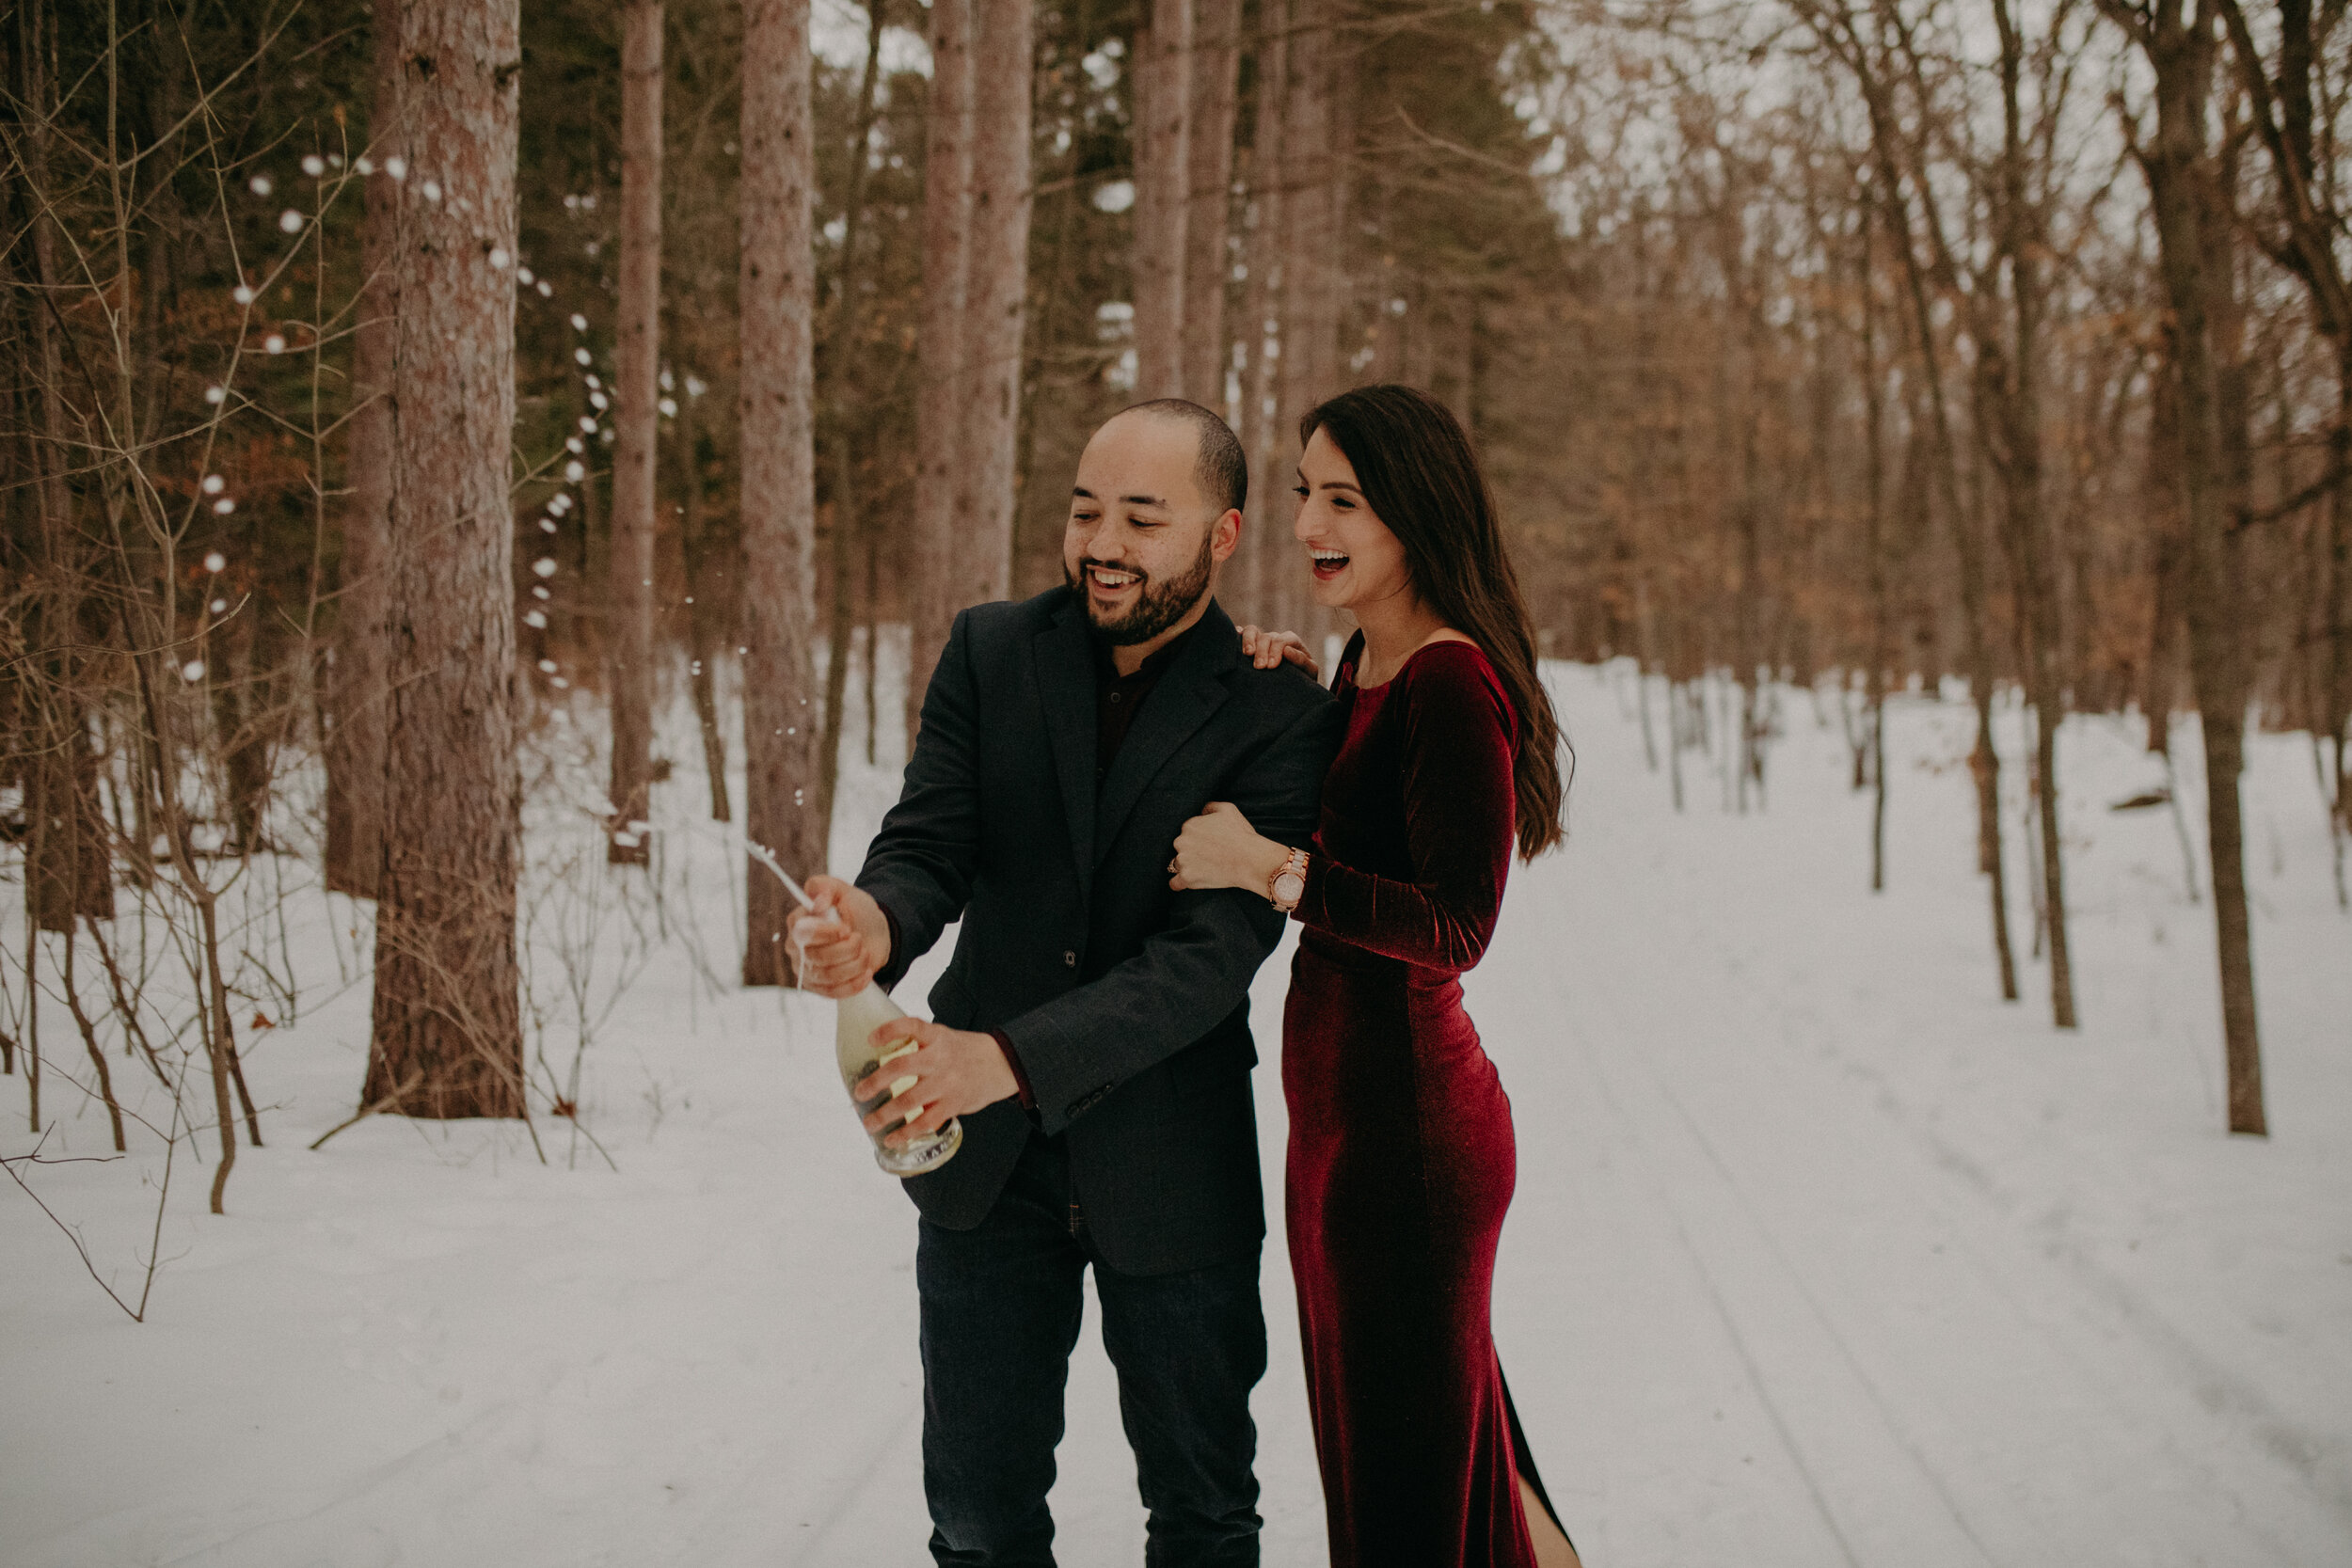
pixel 1070 959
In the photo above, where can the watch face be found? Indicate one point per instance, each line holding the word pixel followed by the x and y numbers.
pixel 1288 886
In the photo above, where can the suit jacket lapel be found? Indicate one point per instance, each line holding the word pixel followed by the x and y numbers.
pixel 1064 662
pixel 1180 702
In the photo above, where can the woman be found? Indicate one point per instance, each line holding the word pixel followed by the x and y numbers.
pixel 1401 1156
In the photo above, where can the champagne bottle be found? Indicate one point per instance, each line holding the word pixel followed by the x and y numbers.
pixel 855 1022
pixel 865 1073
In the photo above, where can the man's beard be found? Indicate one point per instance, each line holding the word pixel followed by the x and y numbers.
pixel 1159 607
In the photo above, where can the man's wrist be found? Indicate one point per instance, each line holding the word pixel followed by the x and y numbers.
pixel 1020 1076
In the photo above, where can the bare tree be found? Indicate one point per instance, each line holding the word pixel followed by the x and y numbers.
pixel 637 425
pixel 2304 241
pixel 940 410
pixel 1860 52
pixel 447 1039
pixel 2177 38
pixel 778 299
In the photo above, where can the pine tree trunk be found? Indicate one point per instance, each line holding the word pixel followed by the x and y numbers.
pixel 778 303
pixel 702 612
pixel 849 521
pixel 1209 165
pixel 357 711
pixel 637 423
pixel 69 864
pixel 1163 106
pixel 1265 539
pixel 1305 235
pixel 2179 170
pixel 940 407
pixel 995 299
pixel 448 1037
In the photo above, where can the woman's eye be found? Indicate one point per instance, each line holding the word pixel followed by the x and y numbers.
pixel 1299 490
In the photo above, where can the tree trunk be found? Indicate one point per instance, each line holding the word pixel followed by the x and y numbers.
pixel 847 515
pixel 1312 223
pixel 703 602
pixel 1209 164
pixel 778 302
pixel 940 410
pixel 1162 114
pixel 356 703
pixel 69 866
pixel 1265 437
pixel 637 423
pixel 2180 171
pixel 2161 492
pixel 2009 383
pixel 448 1035
pixel 1874 501
pixel 995 300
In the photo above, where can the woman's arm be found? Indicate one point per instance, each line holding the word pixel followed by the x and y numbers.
pixel 1459 820
pixel 1458 745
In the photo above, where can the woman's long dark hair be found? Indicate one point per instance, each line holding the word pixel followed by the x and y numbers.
pixel 1419 476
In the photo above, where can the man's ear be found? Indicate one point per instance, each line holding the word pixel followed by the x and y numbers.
pixel 1225 536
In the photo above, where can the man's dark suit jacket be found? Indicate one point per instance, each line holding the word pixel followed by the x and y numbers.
pixel 1127 1002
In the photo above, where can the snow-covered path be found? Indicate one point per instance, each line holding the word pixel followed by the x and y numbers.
pixel 1821 1255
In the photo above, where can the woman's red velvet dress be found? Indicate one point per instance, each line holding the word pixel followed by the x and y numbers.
pixel 1402 1159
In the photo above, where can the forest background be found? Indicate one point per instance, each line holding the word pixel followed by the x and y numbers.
pixel 382 384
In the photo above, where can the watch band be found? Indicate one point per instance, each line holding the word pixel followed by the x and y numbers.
pixel 1293 872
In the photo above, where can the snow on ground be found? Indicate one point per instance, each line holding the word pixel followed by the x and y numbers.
pixel 1821 1253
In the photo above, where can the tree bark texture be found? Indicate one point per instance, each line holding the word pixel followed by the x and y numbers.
pixel 2177 39
pixel 704 610
pixel 1209 168
pixel 637 421
pixel 778 302
pixel 1163 111
pixel 2010 410
pixel 356 717
pixel 849 521
pixel 940 407
pixel 1263 437
pixel 69 855
pixel 448 1037
pixel 1312 213
pixel 995 300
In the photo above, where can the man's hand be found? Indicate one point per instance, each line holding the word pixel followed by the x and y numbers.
pixel 838 958
pixel 955 1072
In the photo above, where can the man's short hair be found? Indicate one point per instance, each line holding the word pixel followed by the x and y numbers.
pixel 1222 468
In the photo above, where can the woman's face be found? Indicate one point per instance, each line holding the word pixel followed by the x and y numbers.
pixel 1357 562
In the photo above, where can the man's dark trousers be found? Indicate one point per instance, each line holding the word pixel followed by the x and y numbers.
pixel 1126 1006
pixel 1001 1306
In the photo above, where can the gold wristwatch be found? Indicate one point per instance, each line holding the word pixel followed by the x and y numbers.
pixel 1288 885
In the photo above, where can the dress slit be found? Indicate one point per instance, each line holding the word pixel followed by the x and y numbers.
pixel 1523 1457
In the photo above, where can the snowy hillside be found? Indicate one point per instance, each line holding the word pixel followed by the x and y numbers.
pixel 1821 1253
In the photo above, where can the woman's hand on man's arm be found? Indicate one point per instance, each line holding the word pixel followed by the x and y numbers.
pixel 1219 848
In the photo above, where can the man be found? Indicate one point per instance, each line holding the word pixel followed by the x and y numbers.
pixel 1093 1029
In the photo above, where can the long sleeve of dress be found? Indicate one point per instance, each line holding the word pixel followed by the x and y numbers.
pixel 1459 740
